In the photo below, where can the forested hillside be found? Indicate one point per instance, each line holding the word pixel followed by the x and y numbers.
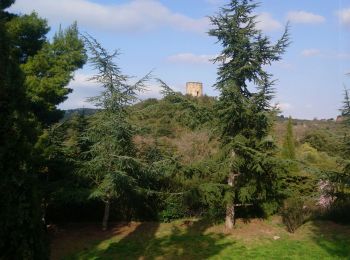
pixel 177 137
pixel 197 161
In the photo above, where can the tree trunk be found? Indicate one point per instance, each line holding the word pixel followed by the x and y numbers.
pixel 230 209
pixel 230 216
pixel 106 216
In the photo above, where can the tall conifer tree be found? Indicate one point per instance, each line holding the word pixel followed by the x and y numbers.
pixel 288 150
pixel 111 164
pixel 244 115
pixel 21 229
pixel 345 111
pixel 344 179
pixel 32 71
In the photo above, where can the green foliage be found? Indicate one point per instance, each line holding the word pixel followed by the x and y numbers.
pixel 33 76
pixel 21 228
pixel 345 111
pixel 61 148
pixel 302 183
pixel 28 33
pixel 111 164
pixel 263 182
pixel 339 182
pixel 172 114
pixel 245 116
pixel 288 150
pixel 325 141
pixel 270 207
pixel 339 178
pixel 293 214
pixel 50 70
pixel 320 160
pixel 5 4
pixel 174 208
pixel 245 49
pixel 213 197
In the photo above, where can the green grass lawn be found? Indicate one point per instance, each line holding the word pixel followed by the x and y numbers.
pixel 200 240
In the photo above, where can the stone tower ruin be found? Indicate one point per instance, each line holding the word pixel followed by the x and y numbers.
pixel 194 89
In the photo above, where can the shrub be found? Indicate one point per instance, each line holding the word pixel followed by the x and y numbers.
pixel 174 208
pixel 312 157
pixel 269 208
pixel 324 141
pixel 294 214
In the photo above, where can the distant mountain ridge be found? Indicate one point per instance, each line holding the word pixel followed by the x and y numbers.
pixel 86 111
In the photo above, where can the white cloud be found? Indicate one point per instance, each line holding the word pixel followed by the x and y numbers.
pixel 311 52
pixel 191 58
pixel 82 80
pixel 284 106
pixel 267 23
pixel 134 16
pixel 214 2
pixel 83 89
pixel 326 54
pixel 305 17
pixel 344 16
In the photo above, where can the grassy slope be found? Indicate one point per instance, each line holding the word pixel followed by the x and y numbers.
pixel 200 240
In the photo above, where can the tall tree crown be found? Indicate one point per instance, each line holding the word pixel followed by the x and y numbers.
pixel 345 110
pixel 117 93
pixel 112 164
pixel 246 51
pixel 288 150
pixel 244 115
pixel 245 48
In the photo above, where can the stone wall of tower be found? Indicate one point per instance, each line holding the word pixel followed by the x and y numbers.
pixel 194 89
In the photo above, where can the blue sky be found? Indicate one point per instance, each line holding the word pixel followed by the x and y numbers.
pixel 170 37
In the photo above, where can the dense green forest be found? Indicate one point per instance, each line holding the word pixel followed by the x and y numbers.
pixel 214 158
pixel 176 137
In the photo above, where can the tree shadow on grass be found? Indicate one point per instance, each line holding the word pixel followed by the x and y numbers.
pixel 332 238
pixel 130 246
pixel 80 237
pixel 188 240
pixel 191 242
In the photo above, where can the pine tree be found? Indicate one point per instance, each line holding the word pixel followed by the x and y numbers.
pixel 22 233
pixel 74 143
pixel 28 102
pixel 288 150
pixel 345 111
pixel 49 72
pixel 344 179
pixel 111 163
pixel 245 116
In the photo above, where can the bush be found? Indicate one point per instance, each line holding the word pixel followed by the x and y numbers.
pixel 269 208
pixel 294 214
pixel 312 157
pixel 174 208
pixel 324 141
